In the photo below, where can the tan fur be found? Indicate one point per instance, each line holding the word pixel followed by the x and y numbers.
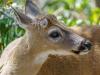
pixel 75 64
pixel 25 55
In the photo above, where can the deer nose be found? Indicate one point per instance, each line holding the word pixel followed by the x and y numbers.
pixel 85 46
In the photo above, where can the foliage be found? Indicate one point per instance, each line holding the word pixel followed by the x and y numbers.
pixel 75 12
pixel 71 12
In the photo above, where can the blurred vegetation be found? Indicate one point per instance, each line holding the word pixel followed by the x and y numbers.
pixel 71 12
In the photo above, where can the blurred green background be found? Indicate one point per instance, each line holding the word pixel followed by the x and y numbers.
pixel 71 12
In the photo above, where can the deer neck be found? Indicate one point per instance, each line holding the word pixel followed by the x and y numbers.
pixel 22 59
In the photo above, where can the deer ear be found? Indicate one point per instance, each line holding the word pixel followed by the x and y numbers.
pixel 31 9
pixel 23 20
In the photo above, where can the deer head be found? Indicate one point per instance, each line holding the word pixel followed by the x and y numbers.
pixel 47 32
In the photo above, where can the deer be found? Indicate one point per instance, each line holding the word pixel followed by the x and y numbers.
pixel 44 35
pixel 76 64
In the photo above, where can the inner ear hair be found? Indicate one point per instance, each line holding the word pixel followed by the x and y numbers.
pixel 31 9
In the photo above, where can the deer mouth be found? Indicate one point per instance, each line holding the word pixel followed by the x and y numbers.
pixel 80 52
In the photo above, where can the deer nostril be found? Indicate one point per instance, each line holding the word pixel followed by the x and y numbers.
pixel 85 45
pixel 88 45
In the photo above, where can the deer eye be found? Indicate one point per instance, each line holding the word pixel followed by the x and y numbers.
pixel 55 35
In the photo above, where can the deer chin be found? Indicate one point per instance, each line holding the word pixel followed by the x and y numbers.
pixel 83 53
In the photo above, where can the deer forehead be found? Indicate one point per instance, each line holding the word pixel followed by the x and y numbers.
pixel 46 21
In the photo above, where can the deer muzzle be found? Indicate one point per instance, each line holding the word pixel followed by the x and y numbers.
pixel 84 47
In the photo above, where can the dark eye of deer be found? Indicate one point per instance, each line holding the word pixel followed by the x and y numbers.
pixel 55 34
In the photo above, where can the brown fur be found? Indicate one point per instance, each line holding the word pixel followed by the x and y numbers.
pixel 25 55
pixel 75 64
